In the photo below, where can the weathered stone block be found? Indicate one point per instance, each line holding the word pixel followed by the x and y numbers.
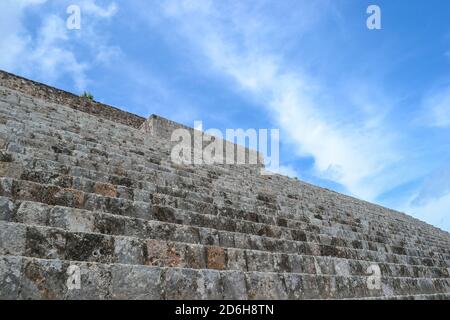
pixel 294 286
pixel 319 242
pixel 210 285
pixel 259 261
pixel 216 258
pixel 141 195
pixel 109 224
pixel 45 243
pixel 129 250
pixel 94 281
pixel 118 206
pixel 11 169
pixel 234 286
pixel 281 263
pixel 310 287
pixel 183 284
pixel 69 198
pixel 7 208
pixel 163 214
pixel 298 235
pixel 343 290
pixel 236 259
pixel 139 228
pixel 192 284
pixel 186 234
pixel 71 219
pixel 327 287
pixel 356 267
pixel 325 265
pixel 32 213
pixel 90 248
pixel 164 254
pixel 257 242
pixel 44 280
pixel 10 277
pixel 138 209
pixel 310 265
pixel 96 202
pixel 105 189
pixel 3 143
pixel 12 238
pixel 195 257
pixel 358 287
pixel 263 286
pixel 226 239
pixel 241 241
pixel 163 231
pixel 6 187
pixel 271 245
pixel 209 237
pixel 126 193
pixel 136 283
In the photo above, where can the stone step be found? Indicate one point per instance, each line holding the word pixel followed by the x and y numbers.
pixel 180 213
pixel 436 296
pixel 97 237
pixel 82 190
pixel 81 193
pixel 62 196
pixel 103 202
pixel 98 222
pixel 65 168
pixel 31 278
pixel 140 147
pixel 353 221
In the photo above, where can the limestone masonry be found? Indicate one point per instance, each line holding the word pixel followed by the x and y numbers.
pixel 91 207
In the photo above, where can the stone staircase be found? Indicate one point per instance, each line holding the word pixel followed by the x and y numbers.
pixel 91 207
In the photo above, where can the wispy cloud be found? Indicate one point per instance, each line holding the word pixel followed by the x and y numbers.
pixel 91 8
pixel 436 185
pixel 49 53
pixel 435 211
pixel 436 108
pixel 345 112
pixel 351 153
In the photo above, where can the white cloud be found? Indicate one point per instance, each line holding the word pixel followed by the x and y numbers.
pixel 436 109
pixel 434 211
pixel 351 153
pixel 435 186
pixel 49 56
pixel 49 53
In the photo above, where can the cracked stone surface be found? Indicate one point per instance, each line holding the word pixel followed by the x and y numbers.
pixel 92 207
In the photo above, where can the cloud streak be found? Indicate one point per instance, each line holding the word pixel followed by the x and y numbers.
pixel 436 109
pixel 50 53
pixel 350 153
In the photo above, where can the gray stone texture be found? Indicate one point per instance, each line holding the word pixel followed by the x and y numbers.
pixel 91 187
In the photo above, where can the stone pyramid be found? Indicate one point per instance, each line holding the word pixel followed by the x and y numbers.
pixel 91 207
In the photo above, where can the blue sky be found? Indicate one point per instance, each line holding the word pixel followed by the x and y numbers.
pixel 363 112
